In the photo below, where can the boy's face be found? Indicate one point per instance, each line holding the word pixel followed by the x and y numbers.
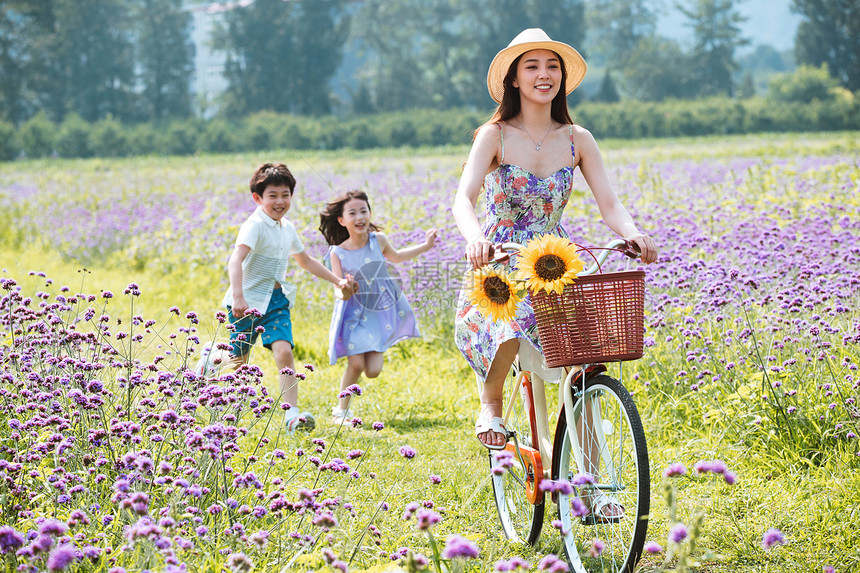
pixel 275 201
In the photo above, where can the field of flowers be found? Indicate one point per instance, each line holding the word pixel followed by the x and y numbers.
pixel 114 456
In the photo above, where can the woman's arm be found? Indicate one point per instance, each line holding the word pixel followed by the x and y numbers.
pixel 398 256
pixel 611 208
pixel 482 157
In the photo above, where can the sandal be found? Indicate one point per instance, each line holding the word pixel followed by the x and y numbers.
pixel 599 502
pixel 494 424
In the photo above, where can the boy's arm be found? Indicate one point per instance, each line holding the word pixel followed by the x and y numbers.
pixel 398 256
pixel 234 271
pixel 313 266
pixel 337 269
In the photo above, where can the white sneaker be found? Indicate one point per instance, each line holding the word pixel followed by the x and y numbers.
pixel 210 361
pixel 304 422
pixel 340 416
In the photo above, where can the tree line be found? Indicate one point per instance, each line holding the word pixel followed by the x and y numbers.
pixel 131 60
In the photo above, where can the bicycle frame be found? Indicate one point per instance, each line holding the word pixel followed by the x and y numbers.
pixel 532 390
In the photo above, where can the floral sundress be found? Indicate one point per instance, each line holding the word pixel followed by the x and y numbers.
pixel 520 205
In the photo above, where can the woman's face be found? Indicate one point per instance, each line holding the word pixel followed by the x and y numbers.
pixel 538 75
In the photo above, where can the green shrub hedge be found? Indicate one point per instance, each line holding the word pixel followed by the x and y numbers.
pixel 39 137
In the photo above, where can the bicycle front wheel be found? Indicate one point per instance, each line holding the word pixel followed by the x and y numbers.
pixel 515 478
pixel 607 443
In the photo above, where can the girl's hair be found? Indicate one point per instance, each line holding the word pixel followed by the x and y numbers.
pixel 510 104
pixel 271 174
pixel 332 230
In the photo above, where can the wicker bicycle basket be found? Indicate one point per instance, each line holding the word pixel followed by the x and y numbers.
pixel 597 318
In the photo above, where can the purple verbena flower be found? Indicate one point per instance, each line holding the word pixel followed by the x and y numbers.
pixel 772 537
pixel 53 527
pixel 675 469
pixel 458 547
pixel 552 564
pixel 10 540
pixel 61 557
pixel 678 533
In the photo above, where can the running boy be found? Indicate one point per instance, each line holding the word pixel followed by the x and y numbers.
pixel 257 271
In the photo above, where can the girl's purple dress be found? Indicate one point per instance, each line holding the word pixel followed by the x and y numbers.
pixel 520 206
pixel 378 316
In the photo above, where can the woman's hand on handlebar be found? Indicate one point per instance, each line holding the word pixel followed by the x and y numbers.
pixel 479 252
pixel 648 250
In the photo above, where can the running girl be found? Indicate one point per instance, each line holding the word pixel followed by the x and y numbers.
pixel 377 316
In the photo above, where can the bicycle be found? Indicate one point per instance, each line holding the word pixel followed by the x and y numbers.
pixel 603 324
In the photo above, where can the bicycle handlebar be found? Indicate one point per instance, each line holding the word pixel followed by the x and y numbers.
pixel 501 252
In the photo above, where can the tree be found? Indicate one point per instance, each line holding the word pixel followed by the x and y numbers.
pixel 164 57
pixel 830 34
pixel 281 55
pixel 607 92
pixel 619 27
pixel 436 53
pixel 32 71
pixel 658 69
pixel 746 89
pixel 11 68
pixel 94 58
pixel 717 34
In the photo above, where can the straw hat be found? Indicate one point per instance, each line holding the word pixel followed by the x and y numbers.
pixel 533 39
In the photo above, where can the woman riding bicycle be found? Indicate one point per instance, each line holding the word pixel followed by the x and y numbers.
pixel 525 157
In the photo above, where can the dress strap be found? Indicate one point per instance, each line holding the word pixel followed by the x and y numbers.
pixel 502 136
pixel 572 150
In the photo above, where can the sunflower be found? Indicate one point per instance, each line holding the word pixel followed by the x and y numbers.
pixel 548 263
pixel 493 294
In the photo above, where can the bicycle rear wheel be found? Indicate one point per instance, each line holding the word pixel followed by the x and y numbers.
pixel 608 426
pixel 521 517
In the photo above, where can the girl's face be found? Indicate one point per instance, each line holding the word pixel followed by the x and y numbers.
pixel 275 201
pixel 538 75
pixel 355 217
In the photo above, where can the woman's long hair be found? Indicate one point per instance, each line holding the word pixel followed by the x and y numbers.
pixel 332 230
pixel 510 104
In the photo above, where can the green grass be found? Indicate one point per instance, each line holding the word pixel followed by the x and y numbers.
pixel 427 398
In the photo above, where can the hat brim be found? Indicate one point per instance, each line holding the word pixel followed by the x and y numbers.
pixel 573 62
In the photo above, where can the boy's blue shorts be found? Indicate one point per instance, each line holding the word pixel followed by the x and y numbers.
pixel 276 322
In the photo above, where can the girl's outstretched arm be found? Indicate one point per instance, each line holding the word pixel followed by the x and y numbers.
pixel 398 256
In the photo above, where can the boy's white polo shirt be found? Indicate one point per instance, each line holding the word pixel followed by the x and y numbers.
pixel 272 243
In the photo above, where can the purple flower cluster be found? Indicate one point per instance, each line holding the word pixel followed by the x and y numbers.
pixel 119 435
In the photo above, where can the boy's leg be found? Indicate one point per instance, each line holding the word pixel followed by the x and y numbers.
pixel 294 419
pixel 288 385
